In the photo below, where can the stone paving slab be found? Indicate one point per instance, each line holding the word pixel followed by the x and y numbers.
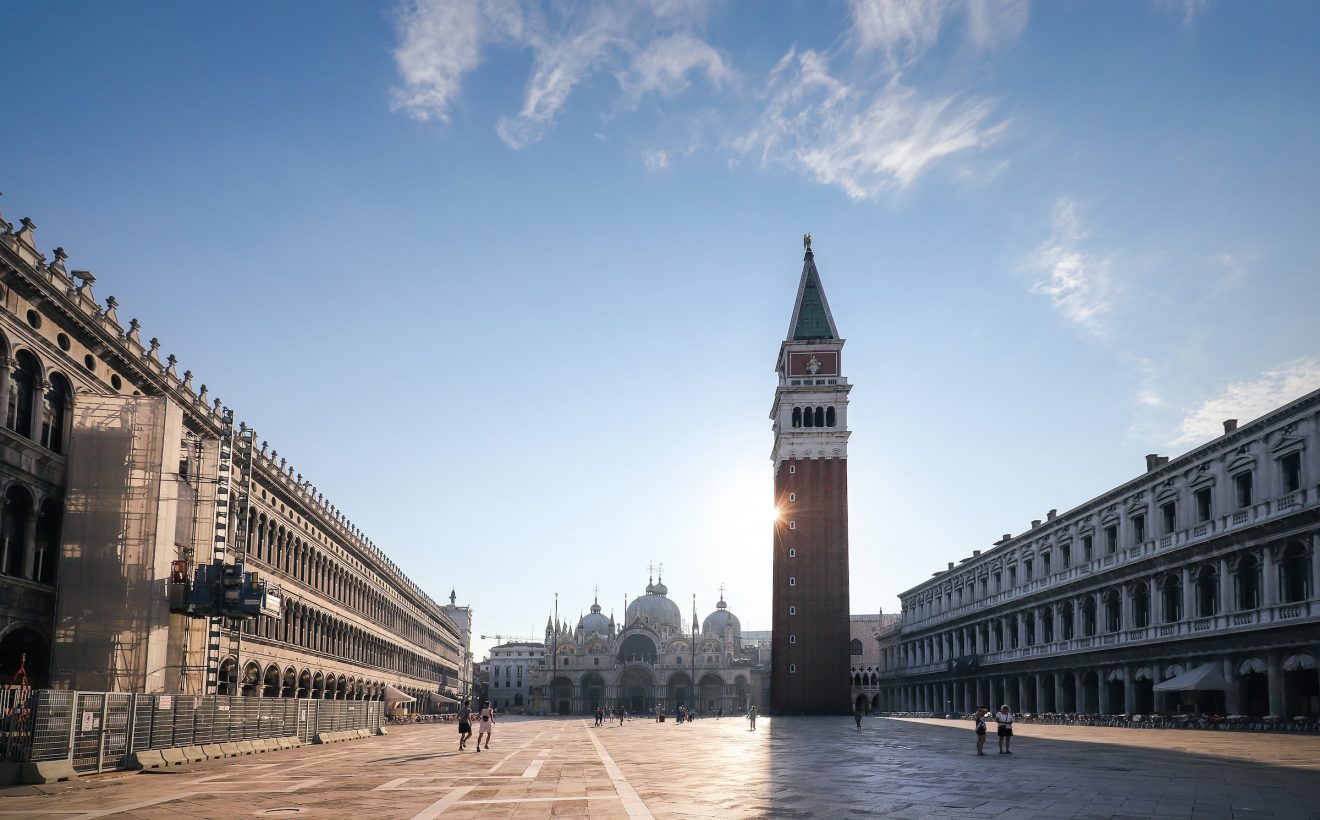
pixel 789 768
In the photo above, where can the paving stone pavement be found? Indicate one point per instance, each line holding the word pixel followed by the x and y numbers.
pixel 789 768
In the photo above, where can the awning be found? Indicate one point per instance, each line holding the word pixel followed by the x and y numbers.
pixel 436 697
pixel 1204 678
pixel 393 696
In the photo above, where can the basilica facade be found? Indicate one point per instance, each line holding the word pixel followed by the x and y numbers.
pixel 652 659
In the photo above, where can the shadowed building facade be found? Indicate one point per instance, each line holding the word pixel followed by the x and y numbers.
pixel 810 634
pixel 1191 587
pixel 109 463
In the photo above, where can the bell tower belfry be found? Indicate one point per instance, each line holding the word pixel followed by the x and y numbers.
pixel 809 654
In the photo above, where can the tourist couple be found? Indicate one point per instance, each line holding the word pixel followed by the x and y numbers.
pixel 487 718
pixel 1005 720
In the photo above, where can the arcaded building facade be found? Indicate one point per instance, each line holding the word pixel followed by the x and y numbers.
pixel 653 659
pixel 1191 587
pixel 109 464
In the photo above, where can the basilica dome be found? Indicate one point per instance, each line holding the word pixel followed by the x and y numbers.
pixel 719 619
pixel 595 622
pixel 654 607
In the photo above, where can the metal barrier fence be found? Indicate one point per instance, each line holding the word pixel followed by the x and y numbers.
pixel 98 731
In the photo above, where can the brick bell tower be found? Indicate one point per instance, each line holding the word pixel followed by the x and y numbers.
pixel 809 654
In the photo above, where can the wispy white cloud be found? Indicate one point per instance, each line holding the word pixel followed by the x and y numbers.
pixel 1249 399
pixel 904 30
pixel 1189 9
pixel 847 123
pixel 1076 279
pixel 655 160
pixel 833 115
pixel 440 44
pixel 664 66
pixel 650 48
pixel 862 140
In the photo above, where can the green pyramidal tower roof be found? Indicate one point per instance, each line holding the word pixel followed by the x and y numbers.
pixel 811 312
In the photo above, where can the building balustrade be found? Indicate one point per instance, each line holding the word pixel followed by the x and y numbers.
pixel 1249 516
pixel 1129 637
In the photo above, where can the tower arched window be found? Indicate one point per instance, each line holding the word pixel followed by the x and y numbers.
pixel 855 647
pixel 54 412
pixel 797 416
pixel 807 418
pixel 22 387
pixel 820 416
pixel 829 416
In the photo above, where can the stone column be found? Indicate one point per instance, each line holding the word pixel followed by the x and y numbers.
pixel 30 544
pixel 39 389
pixel 1058 691
pixel 1154 602
pixel 6 367
pixel 1039 705
pixel 1079 692
pixel 1232 700
pixel 1270 576
pixel 1129 691
pixel 1274 668
pixel 1226 604
pixel 1102 701
pixel 1315 566
pixel 1188 593
pixel 1022 629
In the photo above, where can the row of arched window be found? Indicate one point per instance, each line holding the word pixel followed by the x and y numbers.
pixel 321 631
pixel 1159 598
pixel 813 417
pixel 284 550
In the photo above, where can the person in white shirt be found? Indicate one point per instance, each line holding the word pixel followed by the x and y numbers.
pixel 1005 720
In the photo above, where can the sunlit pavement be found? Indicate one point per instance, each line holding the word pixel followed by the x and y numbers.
pixel 790 767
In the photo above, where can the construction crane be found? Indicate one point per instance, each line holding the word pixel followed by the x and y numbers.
pixel 502 638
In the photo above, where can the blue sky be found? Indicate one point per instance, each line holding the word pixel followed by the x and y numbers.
pixel 508 281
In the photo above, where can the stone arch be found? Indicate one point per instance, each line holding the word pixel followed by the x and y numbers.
pixel 710 691
pixel 678 691
pixel 271 682
pixel 289 686
pixel 591 692
pixel 250 685
pixel 56 413
pixel 304 684
pixel 318 685
pixel 227 677
pixel 1295 572
pixel 24 644
pixel 25 381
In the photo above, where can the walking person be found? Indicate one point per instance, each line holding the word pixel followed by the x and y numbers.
pixel 487 718
pixel 464 724
pixel 751 718
pixel 1005 720
pixel 981 712
pixel 857 716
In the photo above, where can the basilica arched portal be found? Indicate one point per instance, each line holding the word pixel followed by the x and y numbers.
pixel 637 690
